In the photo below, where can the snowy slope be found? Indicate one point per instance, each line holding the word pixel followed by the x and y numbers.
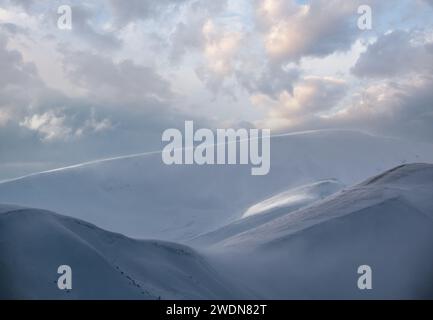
pixel 140 196
pixel 271 208
pixel 385 222
pixel 105 265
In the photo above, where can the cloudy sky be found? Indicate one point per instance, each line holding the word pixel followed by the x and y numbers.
pixel 127 70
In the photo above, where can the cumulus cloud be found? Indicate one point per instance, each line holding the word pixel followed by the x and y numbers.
pixel 188 32
pixel 50 126
pixel 283 32
pixel 311 97
pixel 318 28
pixel 220 48
pixel 211 40
pixel 402 109
pixel 53 125
pixel 393 108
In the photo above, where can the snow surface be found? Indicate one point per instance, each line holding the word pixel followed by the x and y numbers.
pixel 385 222
pixel 411 184
pixel 313 252
pixel 140 196
pixel 105 265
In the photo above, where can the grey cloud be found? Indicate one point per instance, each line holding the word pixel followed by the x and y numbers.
pixel 27 101
pixel 14 70
pixel 119 83
pixel 125 109
pixel 185 36
pixel 12 29
pixel 406 112
pixel 188 34
pixel 132 10
pixel 322 94
pixel 271 81
pixel 394 54
pixel 85 25
pixel 84 22
pixel 25 4
pixel 82 26
pixel 14 76
pixel 394 109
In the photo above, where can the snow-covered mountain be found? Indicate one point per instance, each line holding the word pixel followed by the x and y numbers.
pixel 105 265
pixel 142 197
pixel 270 209
pixel 385 222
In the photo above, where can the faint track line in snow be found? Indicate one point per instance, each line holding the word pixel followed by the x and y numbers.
pixel 148 153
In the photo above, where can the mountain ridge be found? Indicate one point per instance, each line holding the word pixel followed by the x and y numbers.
pixel 141 197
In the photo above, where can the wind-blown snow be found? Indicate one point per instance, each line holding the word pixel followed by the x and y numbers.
pixel 271 208
pixel 295 197
pixel 140 196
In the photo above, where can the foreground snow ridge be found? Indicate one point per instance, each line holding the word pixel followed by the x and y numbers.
pixel 106 265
